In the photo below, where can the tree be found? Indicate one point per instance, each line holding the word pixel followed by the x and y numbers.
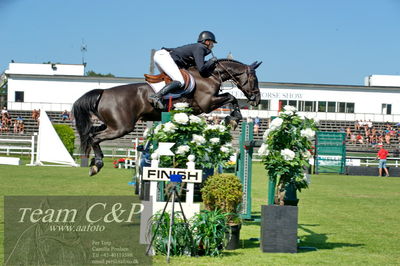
pixel 91 73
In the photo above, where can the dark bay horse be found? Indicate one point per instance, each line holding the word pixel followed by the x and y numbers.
pixel 119 108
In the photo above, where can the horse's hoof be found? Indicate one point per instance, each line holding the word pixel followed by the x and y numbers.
pixel 93 170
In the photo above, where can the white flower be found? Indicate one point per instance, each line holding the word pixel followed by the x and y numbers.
pixel 266 133
pixel 225 149
pixel 146 132
pixel 214 140
pixel 182 149
pixel 276 123
pixel 198 139
pixel 287 154
pixel 306 154
pixel 181 106
pixel 221 128
pixel 194 119
pixel 181 118
pixel 210 127
pixel 191 158
pixel 288 112
pixel 169 127
pixel 289 108
pixel 263 150
pixel 158 127
pixel 308 133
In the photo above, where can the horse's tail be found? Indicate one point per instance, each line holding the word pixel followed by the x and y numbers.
pixel 82 111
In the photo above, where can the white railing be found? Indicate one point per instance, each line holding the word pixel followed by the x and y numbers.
pixel 372 161
pixel 328 116
pixel 48 106
pixel 14 144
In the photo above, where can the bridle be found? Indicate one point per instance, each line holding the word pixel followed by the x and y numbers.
pixel 232 77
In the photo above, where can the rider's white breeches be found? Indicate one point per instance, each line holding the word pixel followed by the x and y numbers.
pixel 165 63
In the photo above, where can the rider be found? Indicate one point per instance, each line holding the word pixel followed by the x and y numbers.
pixel 169 60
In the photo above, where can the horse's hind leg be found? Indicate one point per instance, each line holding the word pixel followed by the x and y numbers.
pixel 106 134
pixel 97 162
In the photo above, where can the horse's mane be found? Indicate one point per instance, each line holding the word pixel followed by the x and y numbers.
pixel 229 60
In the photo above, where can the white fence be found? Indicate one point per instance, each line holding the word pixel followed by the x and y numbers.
pixel 16 146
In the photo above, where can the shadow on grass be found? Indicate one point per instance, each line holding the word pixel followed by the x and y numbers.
pixel 314 241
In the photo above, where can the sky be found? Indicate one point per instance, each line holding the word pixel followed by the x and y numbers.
pixel 298 41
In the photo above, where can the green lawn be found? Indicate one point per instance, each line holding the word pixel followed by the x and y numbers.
pixel 349 219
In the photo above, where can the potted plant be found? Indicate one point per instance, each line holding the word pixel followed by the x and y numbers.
pixel 285 153
pixel 224 192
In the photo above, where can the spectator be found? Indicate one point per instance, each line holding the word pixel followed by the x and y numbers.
pixel 21 128
pixel 353 139
pixel 3 111
pixel 257 124
pixel 35 115
pixel 15 126
pixel 357 125
pixel 370 125
pixel 348 132
pixel 382 156
pixel 65 115
pixel 387 137
pixel 360 138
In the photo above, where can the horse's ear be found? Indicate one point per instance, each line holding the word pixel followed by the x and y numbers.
pixel 256 64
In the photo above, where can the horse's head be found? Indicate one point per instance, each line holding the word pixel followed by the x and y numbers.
pixel 244 76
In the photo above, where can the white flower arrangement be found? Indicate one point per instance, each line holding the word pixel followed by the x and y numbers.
pixel 195 119
pixel 209 145
pixel 182 149
pixel 169 127
pixel 286 150
pixel 181 118
pixel 290 108
pixel 198 139
pixel 214 140
pixel 276 123
pixel 308 133
pixel 181 106
pixel 263 150
pixel 287 154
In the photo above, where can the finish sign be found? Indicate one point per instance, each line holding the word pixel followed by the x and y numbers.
pixel 162 174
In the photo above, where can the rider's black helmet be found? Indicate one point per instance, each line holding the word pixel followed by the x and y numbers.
pixel 206 35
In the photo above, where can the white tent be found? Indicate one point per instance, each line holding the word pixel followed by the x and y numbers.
pixel 50 147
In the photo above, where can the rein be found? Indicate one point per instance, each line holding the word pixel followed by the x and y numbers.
pixel 233 79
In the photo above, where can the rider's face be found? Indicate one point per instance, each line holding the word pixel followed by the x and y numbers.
pixel 210 44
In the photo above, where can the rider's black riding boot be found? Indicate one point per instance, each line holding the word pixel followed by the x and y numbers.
pixel 156 99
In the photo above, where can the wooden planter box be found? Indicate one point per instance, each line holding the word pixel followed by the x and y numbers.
pixel 279 228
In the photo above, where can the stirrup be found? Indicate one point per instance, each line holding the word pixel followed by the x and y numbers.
pixel 156 102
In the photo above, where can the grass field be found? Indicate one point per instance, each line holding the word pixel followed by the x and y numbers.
pixel 348 219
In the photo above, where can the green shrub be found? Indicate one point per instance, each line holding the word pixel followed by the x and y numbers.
pixel 181 238
pixel 67 136
pixel 209 232
pixel 204 235
pixel 223 192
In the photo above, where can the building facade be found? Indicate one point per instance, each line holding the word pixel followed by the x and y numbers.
pixel 54 87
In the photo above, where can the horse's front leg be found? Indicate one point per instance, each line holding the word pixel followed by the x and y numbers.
pixel 222 99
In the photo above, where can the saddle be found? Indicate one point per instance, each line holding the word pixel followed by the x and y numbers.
pixel 164 77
